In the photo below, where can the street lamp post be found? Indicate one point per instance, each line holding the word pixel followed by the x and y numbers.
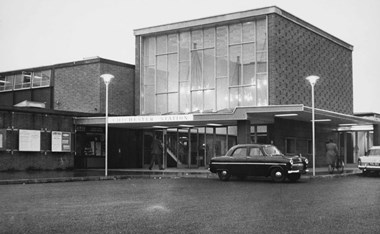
pixel 313 80
pixel 107 79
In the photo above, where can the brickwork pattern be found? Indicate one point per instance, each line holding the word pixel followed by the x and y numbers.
pixel 295 53
pixel 77 88
pixel 12 159
pixel 121 90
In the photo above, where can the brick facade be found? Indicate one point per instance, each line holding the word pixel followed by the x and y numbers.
pixel 296 52
pixel 75 90
pixel 13 159
pixel 79 88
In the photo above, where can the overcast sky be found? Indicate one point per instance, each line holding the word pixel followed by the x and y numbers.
pixel 35 33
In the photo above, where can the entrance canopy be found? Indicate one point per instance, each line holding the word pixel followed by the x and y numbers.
pixel 257 115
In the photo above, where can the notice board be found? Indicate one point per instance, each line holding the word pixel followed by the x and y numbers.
pixel 60 141
pixel 29 140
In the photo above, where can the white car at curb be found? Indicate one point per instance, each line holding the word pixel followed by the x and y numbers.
pixel 370 162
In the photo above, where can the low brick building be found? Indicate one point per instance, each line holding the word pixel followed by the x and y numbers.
pixel 37 107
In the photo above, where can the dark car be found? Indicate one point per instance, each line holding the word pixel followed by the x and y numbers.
pixel 258 160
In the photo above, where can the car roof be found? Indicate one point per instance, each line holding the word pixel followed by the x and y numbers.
pixel 247 145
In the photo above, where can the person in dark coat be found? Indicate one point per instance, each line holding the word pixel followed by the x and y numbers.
pixel 156 152
pixel 331 155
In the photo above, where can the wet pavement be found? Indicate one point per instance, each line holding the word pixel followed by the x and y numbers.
pixel 27 177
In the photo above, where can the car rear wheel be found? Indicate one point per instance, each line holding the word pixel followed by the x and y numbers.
pixel 294 177
pixel 224 175
pixel 278 174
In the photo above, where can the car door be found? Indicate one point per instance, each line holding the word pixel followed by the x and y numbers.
pixel 239 159
pixel 256 161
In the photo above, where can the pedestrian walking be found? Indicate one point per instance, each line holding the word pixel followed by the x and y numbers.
pixel 331 155
pixel 156 153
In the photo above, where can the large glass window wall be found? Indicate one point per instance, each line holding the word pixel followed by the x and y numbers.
pixel 207 69
pixel 25 80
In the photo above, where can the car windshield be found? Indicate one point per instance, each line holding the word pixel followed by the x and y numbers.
pixel 374 152
pixel 272 150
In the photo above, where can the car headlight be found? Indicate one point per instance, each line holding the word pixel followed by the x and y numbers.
pixel 306 161
pixel 291 161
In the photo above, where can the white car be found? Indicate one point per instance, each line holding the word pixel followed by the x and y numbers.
pixel 370 162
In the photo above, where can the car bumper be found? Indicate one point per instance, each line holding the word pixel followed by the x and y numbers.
pixel 369 168
pixel 298 171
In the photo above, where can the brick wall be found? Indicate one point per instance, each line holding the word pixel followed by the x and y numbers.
pixel 77 88
pixel 295 53
pixel 121 90
pixel 13 159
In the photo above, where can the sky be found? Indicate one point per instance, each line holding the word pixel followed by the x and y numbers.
pixel 36 33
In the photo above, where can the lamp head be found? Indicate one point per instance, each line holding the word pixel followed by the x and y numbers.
pixel 312 79
pixel 107 78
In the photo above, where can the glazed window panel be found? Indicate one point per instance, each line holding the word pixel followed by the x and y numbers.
pixel 221 66
pixel 235 33
pixel 234 97
pixel 262 62
pixel 248 96
pixel 235 65
pixel 208 74
pixel 148 99
pixel 41 79
pixel 23 80
pixel 184 97
pixel 184 71
pixel 197 100
pixel 6 83
pixel 221 93
pixel 249 31
pixel 162 103
pixel 162 74
pixel 149 54
pixel 221 41
pixel 209 97
pixel 249 63
pixel 196 39
pixel 162 42
pixel 262 90
pixel 172 43
pixel 173 102
pixel 149 73
pixel 184 47
pixel 196 70
pixel 173 72
pixel 261 34
pixel 209 38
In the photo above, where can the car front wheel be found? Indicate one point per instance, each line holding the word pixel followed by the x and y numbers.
pixel 224 175
pixel 278 175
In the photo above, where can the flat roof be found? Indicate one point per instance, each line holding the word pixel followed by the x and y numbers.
pixel 70 64
pixel 257 115
pixel 237 16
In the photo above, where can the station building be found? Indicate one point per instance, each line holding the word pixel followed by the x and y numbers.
pixel 210 83
pixel 207 84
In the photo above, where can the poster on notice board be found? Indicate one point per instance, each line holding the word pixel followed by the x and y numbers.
pixel 29 140
pixel 60 141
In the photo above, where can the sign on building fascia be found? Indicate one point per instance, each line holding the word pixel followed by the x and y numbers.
pixel 151 119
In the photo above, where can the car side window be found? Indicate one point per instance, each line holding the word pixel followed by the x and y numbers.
pixel 255 152
pixel 240 152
